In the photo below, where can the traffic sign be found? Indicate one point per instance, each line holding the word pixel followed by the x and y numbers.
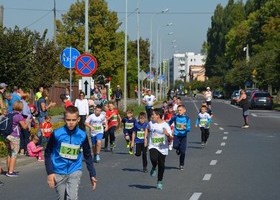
pixel 68 57
pixel 86 86
pixel 86 65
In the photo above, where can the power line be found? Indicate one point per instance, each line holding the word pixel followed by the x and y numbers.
pixel 38 19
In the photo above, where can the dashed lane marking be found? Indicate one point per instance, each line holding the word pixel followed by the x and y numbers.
pixel 254 115
pixel 207 177
pixel 216 124
pixel 219 151
pixel 226 133
pixel 225 138
pixel 213 162
pixel 221 128
pixel 195 196
pixel 223 144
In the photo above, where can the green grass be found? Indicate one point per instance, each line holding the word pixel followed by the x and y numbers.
pixel 276 106
pixel 57 110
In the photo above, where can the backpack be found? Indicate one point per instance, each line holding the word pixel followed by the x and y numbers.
pixel 6 125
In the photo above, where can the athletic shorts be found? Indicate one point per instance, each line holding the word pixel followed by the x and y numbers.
pixel 208 103
pixel 13 145
pixel 245 112
pixel 97 137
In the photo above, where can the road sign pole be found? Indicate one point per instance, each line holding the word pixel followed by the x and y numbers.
pixel 70 79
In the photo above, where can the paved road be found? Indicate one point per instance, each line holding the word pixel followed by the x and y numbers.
pixel 236 164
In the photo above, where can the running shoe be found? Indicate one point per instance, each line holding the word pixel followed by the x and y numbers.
pixel 202 144
pixel 94 158
pixel 170 147
pixel 97 158
pixel 181 167
pixel 245 126
pixel 153 172
pixel 127 144
pixel 13 174
pixel 145 170
pixel 112 146
pixel 159 185
pixel 130 152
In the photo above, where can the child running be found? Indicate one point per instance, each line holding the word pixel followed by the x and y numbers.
pixel 113 118
pixel 182 127
pixel 128 125
pixel 64 157
pixel 167 117
pixel 95 122
pixel 138 139
pixel 203 121
pixel 158 131
pixel 33 149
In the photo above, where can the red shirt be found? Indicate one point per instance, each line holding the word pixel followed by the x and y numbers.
pixel 47 128
pixel 113 121
pixel 167 118
pixel 67 103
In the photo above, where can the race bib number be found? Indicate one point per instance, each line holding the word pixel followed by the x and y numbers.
pixel 180 126
pixel 97 127
pixel 129 125
pixel 140 134
pixel 158 139
pixel 203 122
pixel 114 118
pixel 69 151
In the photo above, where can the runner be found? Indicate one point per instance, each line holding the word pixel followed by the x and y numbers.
pixel 128 125
pixel 208 97
pixel 113 118
pixel 182 126
pixel 95 122
pixel 159 131
pixel 149 101
pixel 167 117
pixel 203 121
pixel 138 139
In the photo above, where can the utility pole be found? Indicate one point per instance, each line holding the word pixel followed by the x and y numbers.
pixel 86 26
pixel 138 53
pixel 54 22
pixel 125 62
pixel 1 16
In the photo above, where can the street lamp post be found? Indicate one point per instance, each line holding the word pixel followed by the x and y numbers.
pixel 151 41
pixel 125 61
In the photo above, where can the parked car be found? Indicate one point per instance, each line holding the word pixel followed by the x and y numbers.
pixel 218 95
pixel 250 91
pixel 261 99
pixel 234 96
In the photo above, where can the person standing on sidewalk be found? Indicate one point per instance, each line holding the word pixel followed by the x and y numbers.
pixel 82 105
pixel 118 95
pixel 244 103
pixel 63 157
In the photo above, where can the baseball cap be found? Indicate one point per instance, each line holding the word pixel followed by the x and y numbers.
pixel 3 85
pixel 208 88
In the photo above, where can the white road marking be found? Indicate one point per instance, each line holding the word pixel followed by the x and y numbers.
pixel 207 177
pixel 226 133
pixel 195 106
pixel 223 144
pixel 213 162
pixel 225 138
pixel 216 124
pixel 219 151
pixel 254 115
pixel 195 196
pixel 221 128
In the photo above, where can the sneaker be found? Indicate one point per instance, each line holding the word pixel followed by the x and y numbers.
pixel 130 152
pixel 145 170
pixel 181 167
pixel 153 172
pixel 245 126
pixel 159 185
pixel 178 152
pixel 170 148
pixel 127 144
pixel 112 146
pixel 97 158
pixel 202 144
pixel 13 174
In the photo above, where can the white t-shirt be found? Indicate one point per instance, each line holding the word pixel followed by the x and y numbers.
pixel 208 95
pixel 204 119
pixel 149 100
pixel 157 138
pixel 97 122
pixel 82 105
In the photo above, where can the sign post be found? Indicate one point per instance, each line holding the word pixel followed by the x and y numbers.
pixel 68 58
pixel 86 86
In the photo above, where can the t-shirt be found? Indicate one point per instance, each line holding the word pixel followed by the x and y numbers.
pixel 139 130
pixel 41 113
pixel 16 125
pixel 149 100
pixel 38 95
pixel 113 121
pixel 208 95
pixel 47 128
pixel 67 103
pixel 128 125
pixel 203 120
pixel 82 105
pixel 97 122
pixel 158 139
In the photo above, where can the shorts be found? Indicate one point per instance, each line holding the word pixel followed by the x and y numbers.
pixel 208 103
pixel 13 145
pixel 245 112
pixel 128 134
pixel 97 137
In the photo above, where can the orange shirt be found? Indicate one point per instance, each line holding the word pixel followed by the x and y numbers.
pixel 47 128
pixel 113 121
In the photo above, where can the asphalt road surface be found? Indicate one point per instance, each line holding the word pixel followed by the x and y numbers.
pixel 236 164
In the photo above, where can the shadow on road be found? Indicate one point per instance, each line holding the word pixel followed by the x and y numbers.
pixel 144 187
pixel 132 170
pixel 168 168
pixel 194 147
pixel 194 142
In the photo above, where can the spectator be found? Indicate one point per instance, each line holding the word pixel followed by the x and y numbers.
pixel 65 100
pixel 118 95
pixel 3 104
pixel 38 94
pixel 15 96
pixel 82 105
pixel 35 150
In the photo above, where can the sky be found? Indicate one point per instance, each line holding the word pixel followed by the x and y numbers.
pixel 190 19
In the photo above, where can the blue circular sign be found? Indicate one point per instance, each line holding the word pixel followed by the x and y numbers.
pixel 69 56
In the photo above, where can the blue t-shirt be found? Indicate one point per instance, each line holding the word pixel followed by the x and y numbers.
pixel 182 124
pixel 41 114
pixel 139 130
pixel 128 125
pixel 15 97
